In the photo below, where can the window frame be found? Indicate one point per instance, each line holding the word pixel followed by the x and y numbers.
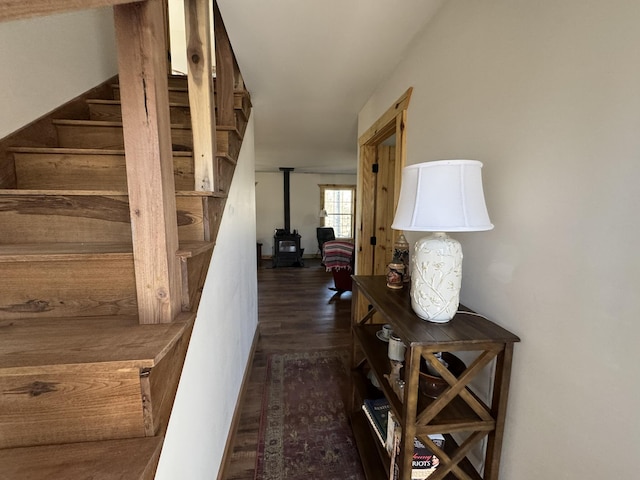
pixel 352 214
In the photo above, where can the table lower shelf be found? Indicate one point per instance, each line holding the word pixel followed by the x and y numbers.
pixel 375 460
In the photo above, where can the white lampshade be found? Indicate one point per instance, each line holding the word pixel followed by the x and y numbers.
pixel 442 196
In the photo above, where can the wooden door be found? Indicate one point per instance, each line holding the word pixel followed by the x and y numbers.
pixel 384 204
pixel 379 174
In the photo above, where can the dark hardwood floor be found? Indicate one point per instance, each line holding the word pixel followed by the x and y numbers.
pixel 296 312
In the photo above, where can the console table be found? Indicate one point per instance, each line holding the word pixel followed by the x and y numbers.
pixel 457 411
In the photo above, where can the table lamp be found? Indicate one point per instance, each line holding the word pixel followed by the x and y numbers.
pixel 439 197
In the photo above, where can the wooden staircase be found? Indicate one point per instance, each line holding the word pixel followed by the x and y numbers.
pixel 86 391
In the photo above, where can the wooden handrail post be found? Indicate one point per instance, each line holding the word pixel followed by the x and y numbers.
pixel 225 71
pixel 201 100
pixel 149 163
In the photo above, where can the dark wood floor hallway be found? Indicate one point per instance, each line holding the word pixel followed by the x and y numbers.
pixel 297 312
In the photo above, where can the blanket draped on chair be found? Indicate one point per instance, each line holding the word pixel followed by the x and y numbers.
pixel 337 255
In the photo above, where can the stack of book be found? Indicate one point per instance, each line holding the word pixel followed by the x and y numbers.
pixel 377 412
pixel 389 433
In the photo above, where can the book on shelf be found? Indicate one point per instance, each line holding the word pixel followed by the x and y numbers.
pixel 377 412
pixel 424 462
pixel 389 432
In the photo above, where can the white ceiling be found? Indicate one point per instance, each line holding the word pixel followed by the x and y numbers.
pixel 310 65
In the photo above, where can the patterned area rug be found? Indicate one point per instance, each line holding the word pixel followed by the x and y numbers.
pixel 304 430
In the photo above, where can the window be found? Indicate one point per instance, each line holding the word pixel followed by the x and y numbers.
pixel 339 202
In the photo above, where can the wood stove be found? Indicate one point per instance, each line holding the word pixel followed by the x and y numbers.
pixel 286 245
pixel 286 249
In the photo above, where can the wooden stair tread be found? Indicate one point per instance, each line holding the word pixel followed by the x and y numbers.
pixel 103 123
pixel 113 193
pixel 63 251
pixel 101 101
pixel 82 151
pixel 109 134
pixel 85 251
pixel 172 88
pixel 179 83
pixel 56 344
pixel 177 77
pixel 191 249
pixel 227 128
pixel 24 192
pixel 201 193
pixel 126 459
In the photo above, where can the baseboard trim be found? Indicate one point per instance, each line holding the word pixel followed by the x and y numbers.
pixel 233 429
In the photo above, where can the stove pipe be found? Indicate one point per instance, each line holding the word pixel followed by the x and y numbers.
pixel 287 193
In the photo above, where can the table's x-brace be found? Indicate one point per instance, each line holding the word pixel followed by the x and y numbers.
pixel 457 387
pixel 370 313
pixel 450 464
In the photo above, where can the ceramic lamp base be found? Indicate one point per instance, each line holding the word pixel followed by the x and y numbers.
pixel 436 277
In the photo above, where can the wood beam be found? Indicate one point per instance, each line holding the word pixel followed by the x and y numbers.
pixel 147 140
pixel 386 124
pixel 365 211
pixel 203 122
pixel 225 71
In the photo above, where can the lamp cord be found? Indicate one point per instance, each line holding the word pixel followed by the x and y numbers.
pixel 472 313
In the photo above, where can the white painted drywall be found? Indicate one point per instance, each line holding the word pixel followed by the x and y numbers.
pixel 178 42
pixel 547 95
pixel 50 60
pixel 304 204
pixel 221 340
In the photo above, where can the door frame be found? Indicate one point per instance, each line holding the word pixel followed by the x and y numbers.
pixel 393 121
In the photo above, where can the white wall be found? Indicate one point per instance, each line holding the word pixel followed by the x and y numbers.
pixel 547 95
pixel 50 60
pixel 305 206
pixel 178 43
pixel 221 340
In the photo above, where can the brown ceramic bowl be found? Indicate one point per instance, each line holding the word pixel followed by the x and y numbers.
pixel 431 385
